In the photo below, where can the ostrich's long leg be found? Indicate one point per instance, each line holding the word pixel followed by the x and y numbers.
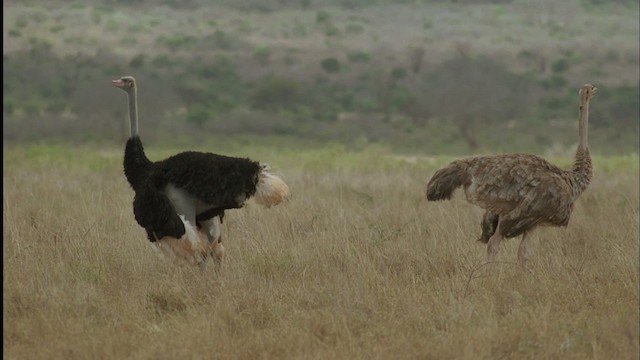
pixel 212 229
pixel 494 243
pixel 523 249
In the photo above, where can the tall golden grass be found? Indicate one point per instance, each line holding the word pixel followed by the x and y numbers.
pixel 357 265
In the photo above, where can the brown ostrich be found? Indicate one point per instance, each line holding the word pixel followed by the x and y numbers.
pixel 519 191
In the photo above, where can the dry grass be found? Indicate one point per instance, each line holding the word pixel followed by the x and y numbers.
pixel 358 265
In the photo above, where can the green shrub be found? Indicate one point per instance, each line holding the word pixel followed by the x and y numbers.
pixel 332 30
pixel 56 106
pixel 33 107
pixel 398 73
pixel 359 56
pixel 8 106
pixel 174 42
pixel 617 107
pixel 554 106
pixel 162 60
pixel 427 23
pixel 221 40
pixel 330 65
pixel 54 89
pixel 560 66
pixel 262 54
pixel 555 82
pixel 198 114
pixel 21 23
pixel 354 29
pixel 322 17
pixel 137 62
pixel 299 30
pixel 273 93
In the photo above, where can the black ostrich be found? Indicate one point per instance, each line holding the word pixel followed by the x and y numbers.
pixel 180 201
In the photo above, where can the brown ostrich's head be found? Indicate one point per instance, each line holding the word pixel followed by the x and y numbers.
pixel 125 83
pixel 586 92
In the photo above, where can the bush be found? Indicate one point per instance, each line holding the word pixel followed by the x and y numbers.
pixel 274 93
pixel 176 41
pixel 222 41
pixel 617 107
pixel 332 30
pixel 555 82
pixel 137 62
pixel 359 56
pixel 162 60
pixel 398 73
pixel 560 66
pixel 354 29
pixel 330 65
pixel 198 114
pixel 322 17
pixel 8 106
pixel 262 54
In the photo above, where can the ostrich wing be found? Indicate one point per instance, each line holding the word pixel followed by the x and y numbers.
pixel 523 189
pixel 214 179
pixel 154 212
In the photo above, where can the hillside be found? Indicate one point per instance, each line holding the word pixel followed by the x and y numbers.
pixel 391 72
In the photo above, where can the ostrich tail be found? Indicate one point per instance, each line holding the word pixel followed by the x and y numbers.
pixel 445 181
pixel 270 190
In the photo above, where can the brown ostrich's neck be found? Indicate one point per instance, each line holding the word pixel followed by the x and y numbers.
pixel 582 170
pixel 582 167
pixel 583 125
pixel 133 112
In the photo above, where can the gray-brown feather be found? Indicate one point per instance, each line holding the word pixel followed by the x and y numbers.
pixel 524 190
pixel 446 180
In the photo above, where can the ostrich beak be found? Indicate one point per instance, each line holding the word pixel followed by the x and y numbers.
pixel 117 83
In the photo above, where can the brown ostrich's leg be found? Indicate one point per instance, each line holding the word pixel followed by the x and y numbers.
pixel 494 243
pixel 523 249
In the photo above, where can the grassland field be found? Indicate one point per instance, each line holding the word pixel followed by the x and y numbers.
pixel 357 265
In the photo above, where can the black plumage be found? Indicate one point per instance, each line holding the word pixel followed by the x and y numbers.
pixel 136 163
pixel 223 182
pixel 152 208
pixel 214 179
pixel 155 213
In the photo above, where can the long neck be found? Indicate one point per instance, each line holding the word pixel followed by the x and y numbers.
pixel 582 167
pixel 583 125
pixel 133 113
pixel 136 163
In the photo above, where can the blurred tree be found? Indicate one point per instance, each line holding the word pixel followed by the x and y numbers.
pixel 471 92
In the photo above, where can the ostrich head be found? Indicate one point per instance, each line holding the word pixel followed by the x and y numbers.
pixel 586 92
pixel 125 83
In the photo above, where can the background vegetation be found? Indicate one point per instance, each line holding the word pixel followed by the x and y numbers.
pixel 426 76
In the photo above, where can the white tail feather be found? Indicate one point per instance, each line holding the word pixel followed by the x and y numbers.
pixel 271 190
